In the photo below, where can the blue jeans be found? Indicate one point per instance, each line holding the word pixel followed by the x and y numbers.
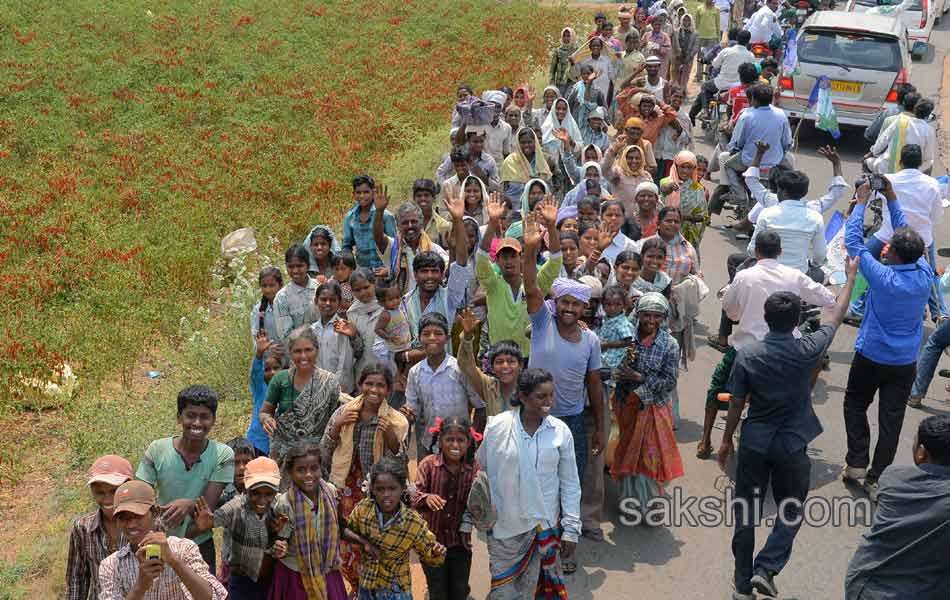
pixel 936 302
pixel 576 424
pixel 789 475
pixel 929 356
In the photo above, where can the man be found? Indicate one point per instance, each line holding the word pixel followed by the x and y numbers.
pixel 921 203
pixel 874 129
pixel 727 63
pixel 178 573
pixel 761 121
pixel 707 26
pixel 774 376
pixel 763 25
pixel 398 254
pixel 433 224
pixel 497 133
pixel 602 64
pixel 461 160
pixel 594 127
pixel 560 345
pixel 481 164
pixel 887 343
pixel 504 294
pixel 743 301
pixel 653 85
pixel 592 97
pixel 725 13
pixel 905 553
pixel 905 129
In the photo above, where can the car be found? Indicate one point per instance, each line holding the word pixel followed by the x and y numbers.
pixel 864 56
pixel 918 15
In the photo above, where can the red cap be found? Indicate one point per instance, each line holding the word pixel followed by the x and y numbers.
pixel 110 469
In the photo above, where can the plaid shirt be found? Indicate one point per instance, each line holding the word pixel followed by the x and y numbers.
pixel 246 534
pixel 443 392
pixel 118 572
pixel 404 532
pixel 433 478
pixel 658 362
pixel 88 545
pixel 364 435
pixel 681 258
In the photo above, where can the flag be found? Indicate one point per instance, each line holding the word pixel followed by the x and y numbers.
pixel 826 118
pixel 790 56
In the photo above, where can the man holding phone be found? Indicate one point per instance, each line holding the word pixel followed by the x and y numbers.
pixel 152 566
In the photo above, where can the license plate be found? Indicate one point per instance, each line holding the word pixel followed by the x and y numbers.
pixel 845 87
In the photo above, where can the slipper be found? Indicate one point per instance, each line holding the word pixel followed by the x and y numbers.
pixel 713 340
pixel 704 452
pixel 743 236
pixel 569 566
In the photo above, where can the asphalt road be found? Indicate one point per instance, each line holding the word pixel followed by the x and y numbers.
pixel 690 561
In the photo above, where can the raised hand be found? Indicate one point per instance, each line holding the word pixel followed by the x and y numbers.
pixel 203 516
pixel 344 327
pixel 830 153
pixel 381 197
pixel 469 323
pixel 532 231
pixel 261 343
pixel 548 210
pixel 455 206
pixel 761 146
pixel 497 208
pixel 561 134
pixel 605 237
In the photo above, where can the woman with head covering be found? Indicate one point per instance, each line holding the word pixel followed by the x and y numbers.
pixel 657 42
pixel 475 195
pixel 647 208
pixel 683 190
pixel 646 457
pixel 525 162
pixel 685 47
pixel 560 71
pixel 559 118
pixel 548 96
pixel 321 244
pixel 589 171
pixel 626 173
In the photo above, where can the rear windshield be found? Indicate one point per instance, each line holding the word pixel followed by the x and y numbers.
pixel 850 49
pixel 917 5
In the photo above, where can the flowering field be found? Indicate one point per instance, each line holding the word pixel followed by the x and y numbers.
pixel 132 139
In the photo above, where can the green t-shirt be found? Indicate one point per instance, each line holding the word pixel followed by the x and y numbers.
pixel 281 393
pixel 163 467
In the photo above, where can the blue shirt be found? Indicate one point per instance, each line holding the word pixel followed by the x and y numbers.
pixel 776 373
pixel 569 362
pixel 763 123
pixel 892 328
pixel 360 235
pixel 255 433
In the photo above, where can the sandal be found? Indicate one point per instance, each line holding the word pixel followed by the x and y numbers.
pixel 715 342
pixel 569 566
pixel 703 451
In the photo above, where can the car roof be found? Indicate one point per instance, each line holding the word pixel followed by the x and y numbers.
pixel 849 21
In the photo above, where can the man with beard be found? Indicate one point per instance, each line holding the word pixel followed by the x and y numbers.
pixel 398 255
pixel 570 352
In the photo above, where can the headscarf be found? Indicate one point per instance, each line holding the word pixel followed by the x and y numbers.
pixel 517 167
pixel 573 37
pixel 566 212
pixel 551 123
pixel 600 153
pixel 334 244
pixel 526 93
pixel 651 302
pixel 624 13
pixel 625 168
pixel 484 215
pixel 525 208
pixel 648 186
pixel 683 157
pixel 634 121
pixel 563 286
pixel 495 96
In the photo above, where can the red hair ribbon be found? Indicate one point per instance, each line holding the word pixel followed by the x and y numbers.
pixel 475 435
pixel 438 426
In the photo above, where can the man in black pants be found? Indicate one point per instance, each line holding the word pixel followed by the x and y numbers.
pixel 734 263
pixel 774 376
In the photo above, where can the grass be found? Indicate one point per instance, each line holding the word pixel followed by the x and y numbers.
pixel 130 143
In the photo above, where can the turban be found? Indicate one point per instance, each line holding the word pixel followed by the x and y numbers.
pixel 496 96
pixel 563 286
pixel 566 212
pixel 653 302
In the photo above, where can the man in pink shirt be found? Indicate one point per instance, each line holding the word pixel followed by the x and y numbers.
pixel 743 300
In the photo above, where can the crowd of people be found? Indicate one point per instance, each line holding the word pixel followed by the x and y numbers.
pixel 492 353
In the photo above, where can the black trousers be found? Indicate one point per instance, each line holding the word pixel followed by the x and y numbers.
pixel 733 262
pixel 207 552
pixel 892 385
pixel 450 581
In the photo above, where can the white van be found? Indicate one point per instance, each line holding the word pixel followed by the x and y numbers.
pixel 918 15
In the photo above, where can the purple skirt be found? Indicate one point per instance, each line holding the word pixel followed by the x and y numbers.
pixel 287 585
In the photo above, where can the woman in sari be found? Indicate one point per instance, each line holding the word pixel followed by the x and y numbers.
pixel 647 208
pixel 560 137
pixel 646 457
pixel 360 433
pixel 561 65
pixel 549 95
pixel 685 47
pixel 525 162
pixel 683 190
pixel 658 43
pixel 626 174
pixel 475 195
pixel 300 399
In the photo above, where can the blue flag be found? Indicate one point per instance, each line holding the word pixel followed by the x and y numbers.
pixel 820 101
pixel 790 57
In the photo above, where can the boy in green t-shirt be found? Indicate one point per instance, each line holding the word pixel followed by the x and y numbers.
pixel 186 467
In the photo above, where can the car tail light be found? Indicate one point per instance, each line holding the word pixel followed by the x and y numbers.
pixel 786 83
pixel 900 80
pixel 923 15
pixel 804 4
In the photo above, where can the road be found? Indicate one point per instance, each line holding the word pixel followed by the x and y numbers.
pixel 694 562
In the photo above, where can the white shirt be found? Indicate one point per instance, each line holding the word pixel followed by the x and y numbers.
pixel 744 300
pixel 919 132
pixel 763 25
pixel 728 61
pixel 764 198
pixel 533 479
pixel 496 139
pixel 443 392
pixel 802 231
pixel 620 243
pixel 919 197
pixel 335 352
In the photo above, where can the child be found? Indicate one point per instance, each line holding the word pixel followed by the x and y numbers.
pixel 269 358
pixel 339 344
pixel 364 314
pixel 358 224
pixel 262 315
pixel 244 453
pixel 343 267
pixel 504 360
pixel 443 482
pixel 323 247
pixel 588 209
pixel 652 277
pixel 626 272
pixel 249 523
pixel 615 331
pixel 436 388
pixel 96 535
pixel 292 305
pixel 392 328
pixel 391 530
pixel 313 529
pixel 187 467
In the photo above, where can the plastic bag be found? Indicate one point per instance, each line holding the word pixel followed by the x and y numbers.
pixel 238 242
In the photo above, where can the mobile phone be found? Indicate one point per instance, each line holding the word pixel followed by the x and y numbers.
pixel 153 551
pixel 877 183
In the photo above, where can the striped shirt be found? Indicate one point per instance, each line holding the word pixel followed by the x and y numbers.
pixel 681 258
pixel 433 478
pixel 88 545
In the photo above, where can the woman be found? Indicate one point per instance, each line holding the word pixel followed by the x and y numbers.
pixel 475 195
pixel 300 399
pixel 527 456
pixel 550 94
pixel 683 190
pixel 560 137
pixel 561 64
pixel 358 435
pixel 590 171
pixel 640 20
pixel 524 163
pixel 646 211
pixel 626 174
pixel 681 257
pixel 322 245
pixel 658 43
pixel 685 47
pixel 646 456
